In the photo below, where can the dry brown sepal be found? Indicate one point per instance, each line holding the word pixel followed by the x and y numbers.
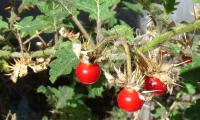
pixel 20 67
pixel 68 34
pixel 153 66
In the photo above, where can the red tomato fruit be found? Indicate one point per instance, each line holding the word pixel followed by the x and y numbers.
pixel 154 84
pixel 128 100
pixel 186 59
pixel 88 73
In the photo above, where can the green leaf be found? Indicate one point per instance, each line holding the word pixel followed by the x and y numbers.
pixel 45 118
pixel 190 88
pixel 68 6
pixel 170 5
pixel 57 97
pixel 41 89
pixel 64 63
pixel 105 6
pixel 136 7
pixel 3 24
pixel 65 93
pixel 95 92
pixel 196 1
pixel 174 48
pixel 122 31
pixel 28 26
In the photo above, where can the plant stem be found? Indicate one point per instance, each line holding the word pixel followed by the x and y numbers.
pixel 167 35
pixel 40 53
pixel 20 43
pixel 82 29
pixel 79 25
pixel 98 23
pixel 128 59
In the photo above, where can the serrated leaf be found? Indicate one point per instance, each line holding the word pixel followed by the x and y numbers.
pixel 136 7
pixel 3 24
pixel 28 26
pixel 90 6
pixel 95 92
pixel 57 97
pixel 122 31
pixel 170 5
pixel 64 63
pixel 65 94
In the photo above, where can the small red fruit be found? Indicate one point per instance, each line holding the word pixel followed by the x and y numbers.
pixel 154 84
pixel 88 73
pixel 186 59
pixel 128 100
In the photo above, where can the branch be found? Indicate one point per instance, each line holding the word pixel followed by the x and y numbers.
pixel 79 25
pixel 40 53
pixel 82 29
pixel 167 35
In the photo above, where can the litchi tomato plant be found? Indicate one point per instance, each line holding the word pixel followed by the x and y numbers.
pixel 129 100
pixel 154 84
pixel 88 73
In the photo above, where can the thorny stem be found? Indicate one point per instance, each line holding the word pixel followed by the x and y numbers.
pixel 167 35
pixel 98 23
pixel 105 41
pixel 79 25
pixel 128 59
pixel 40 53
pixel 20 44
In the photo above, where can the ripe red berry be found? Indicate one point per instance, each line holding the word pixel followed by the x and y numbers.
pixel 88 73
pixel 186 59
pixel 154 84
pixel 128 100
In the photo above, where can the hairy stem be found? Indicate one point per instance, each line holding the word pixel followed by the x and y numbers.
pixel 128 59
pixel 98 23
pixel 40 53
pixel 82 29
pixel 167 35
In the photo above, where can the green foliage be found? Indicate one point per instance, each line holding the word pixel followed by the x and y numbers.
pixel 123 31
pixel 57 97
pixel 90 6
pixel 64 63
pixel 4 66
pixel 64 101
pixel 170 5
pixel 28 26
pixel 69 6
pixel 95 92
pixel 118 114
pixel 3 24
pixel 137 7
pixel 174 48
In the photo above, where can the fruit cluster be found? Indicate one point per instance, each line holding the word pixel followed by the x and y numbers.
pixel 128 99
